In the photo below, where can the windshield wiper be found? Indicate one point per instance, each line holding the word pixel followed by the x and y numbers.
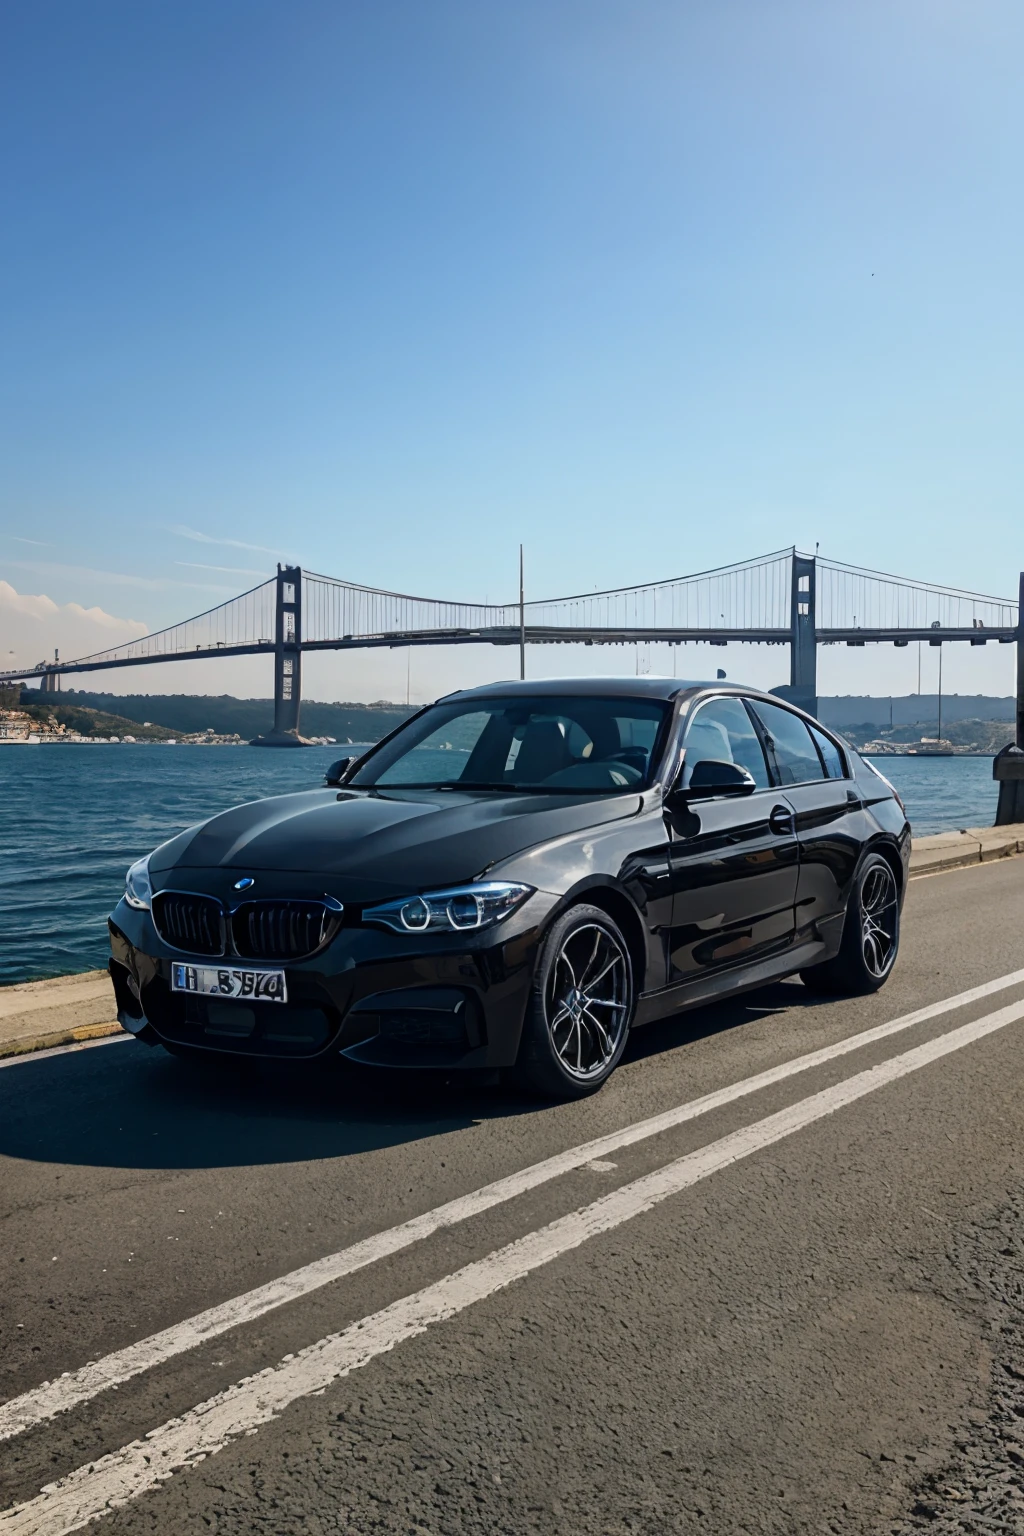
pixel 447 784
pixel 459 784
pixel 539 789
pixel 456 786
pixel 503 789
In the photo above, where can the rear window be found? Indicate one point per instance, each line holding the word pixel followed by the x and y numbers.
pixel 790 746
pixel 835 767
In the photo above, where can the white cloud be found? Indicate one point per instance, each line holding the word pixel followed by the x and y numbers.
pixel 33 626
pixel 113 578
pixel 228 570
pixel 34 607
pixel 185 532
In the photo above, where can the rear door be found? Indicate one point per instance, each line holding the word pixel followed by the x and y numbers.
pixel 733 860
pixel 810 770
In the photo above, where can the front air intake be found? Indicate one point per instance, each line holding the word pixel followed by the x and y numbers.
pixel 282 930
pixel 193 924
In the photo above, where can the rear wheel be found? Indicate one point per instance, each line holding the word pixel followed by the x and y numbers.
pixel 580 1008
pixel 871 935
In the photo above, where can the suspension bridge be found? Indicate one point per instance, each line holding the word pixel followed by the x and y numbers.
pixel 783 598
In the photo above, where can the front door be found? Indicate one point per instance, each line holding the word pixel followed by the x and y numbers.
pixel 734 859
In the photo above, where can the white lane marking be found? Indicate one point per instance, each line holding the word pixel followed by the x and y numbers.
pixel 116 1479
pixel 24 1057
pixel 78 1386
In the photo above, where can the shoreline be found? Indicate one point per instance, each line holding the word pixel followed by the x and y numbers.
pixel 48 740
pixel 136 741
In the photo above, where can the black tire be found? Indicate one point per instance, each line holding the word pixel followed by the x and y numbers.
pixel 574 1037
pixel 871 935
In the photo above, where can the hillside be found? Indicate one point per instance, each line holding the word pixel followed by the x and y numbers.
pixel 156 717
pixel 961 735
pixel 188 714
pixel 853 712
pixel 80 721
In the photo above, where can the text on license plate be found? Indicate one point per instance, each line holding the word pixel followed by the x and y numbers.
pixel 215 981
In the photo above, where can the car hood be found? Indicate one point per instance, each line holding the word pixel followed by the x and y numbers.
pixel 373 845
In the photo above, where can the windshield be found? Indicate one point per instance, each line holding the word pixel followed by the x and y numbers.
pixel 559 745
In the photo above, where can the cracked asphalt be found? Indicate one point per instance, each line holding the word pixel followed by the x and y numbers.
pixel 827 1336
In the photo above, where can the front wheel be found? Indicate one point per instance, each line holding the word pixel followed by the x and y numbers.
pixel 580 1008
pixel 871 935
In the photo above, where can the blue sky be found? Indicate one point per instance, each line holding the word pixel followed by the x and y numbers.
pixel 388 287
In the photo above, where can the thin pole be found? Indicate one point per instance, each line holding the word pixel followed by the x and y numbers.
pixel 522 620
pixel 1020 662
pixel 940 695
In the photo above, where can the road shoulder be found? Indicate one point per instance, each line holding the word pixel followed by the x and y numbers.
pixel 37 1015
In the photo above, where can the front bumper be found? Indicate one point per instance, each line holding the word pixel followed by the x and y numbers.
pixel 445 1002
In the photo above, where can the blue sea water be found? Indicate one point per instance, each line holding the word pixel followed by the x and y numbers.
pixel 942 793
pixel 72 818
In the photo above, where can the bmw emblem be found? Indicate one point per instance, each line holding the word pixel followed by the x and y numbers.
pixel 244 883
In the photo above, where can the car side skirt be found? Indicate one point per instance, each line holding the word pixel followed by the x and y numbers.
pixel 722 984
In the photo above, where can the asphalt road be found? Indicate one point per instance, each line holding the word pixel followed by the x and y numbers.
pixel 812 1322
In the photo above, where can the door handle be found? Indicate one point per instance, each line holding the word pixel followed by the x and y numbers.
pixel 781 821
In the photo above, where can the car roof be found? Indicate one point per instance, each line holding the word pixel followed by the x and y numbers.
pixel 597 687
pixel 670 689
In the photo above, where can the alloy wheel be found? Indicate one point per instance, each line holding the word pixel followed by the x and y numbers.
pixel 879 919
pixel 588 1000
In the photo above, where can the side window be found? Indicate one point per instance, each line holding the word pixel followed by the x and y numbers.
pixel 722 731
pixel 795 757
pixel 831 756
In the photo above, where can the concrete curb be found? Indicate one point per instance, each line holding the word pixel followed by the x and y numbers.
pixel 29 1043
pixel 972 845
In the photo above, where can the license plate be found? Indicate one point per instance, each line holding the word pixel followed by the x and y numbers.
pixel 216 981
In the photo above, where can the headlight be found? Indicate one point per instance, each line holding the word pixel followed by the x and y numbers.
pixel 138 892
pixel 461 909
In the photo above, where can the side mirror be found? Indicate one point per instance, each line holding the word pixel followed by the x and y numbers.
pixel 712 777
pixel 337 771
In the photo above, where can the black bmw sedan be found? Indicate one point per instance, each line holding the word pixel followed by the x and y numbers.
pixel 514 879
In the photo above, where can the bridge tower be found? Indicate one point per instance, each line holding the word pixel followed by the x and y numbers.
pixel 50 680
pixel 802 688
pixel 287 661
pixel 803 650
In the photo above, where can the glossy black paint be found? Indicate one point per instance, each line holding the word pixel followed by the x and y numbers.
pixel 713 894
pixel 734 884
